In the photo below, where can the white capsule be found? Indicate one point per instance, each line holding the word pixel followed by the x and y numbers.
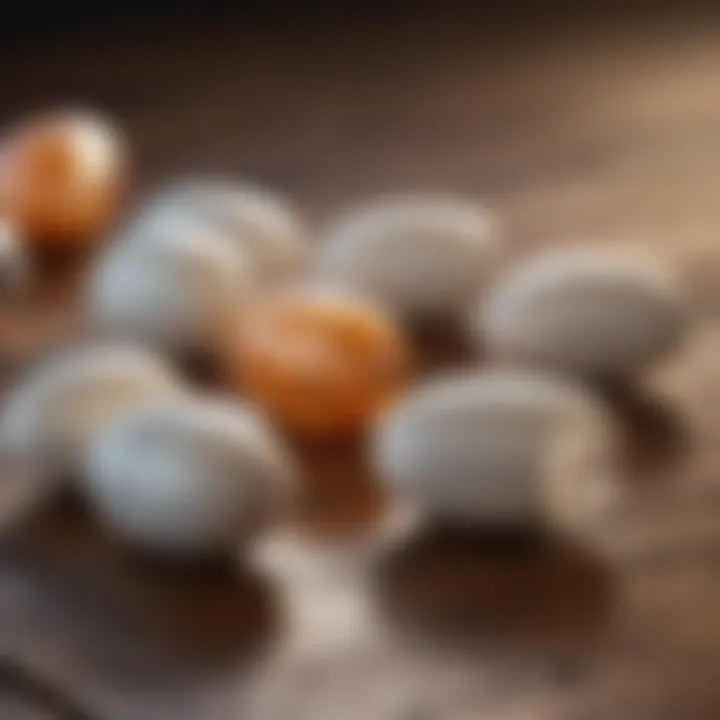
pixel 175 292
pixel 49 418
pixel 421 256
pixel 593 311
pixel 263 225
pixel 188 475
pixel 500 448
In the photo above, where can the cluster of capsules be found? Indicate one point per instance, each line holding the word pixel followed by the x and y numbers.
pixel 314 339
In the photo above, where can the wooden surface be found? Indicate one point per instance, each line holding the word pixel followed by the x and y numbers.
pixel 595 128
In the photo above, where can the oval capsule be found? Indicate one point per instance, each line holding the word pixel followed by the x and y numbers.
pixel 52 414
pixel 177 293
pixel 591 311
pixel 62 176
pixel 321 364
pixel 499 448
pixel 188 475
pixel 423 257
pixel 262 224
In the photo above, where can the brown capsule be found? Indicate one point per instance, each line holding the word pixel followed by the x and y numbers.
pixel 61 177
pixel 321 365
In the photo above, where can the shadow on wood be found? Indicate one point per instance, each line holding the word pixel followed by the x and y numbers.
pixel 206 614
pixel 340 498
pixel 516 588
pixel 653 435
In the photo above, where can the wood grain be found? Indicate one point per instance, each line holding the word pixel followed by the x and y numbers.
pixel 598 128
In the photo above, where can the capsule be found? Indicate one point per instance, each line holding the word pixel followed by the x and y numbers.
pixel 423 257
pixel 590 311
pixel 263 225
pixel 61 177
pixel 500 448
pixel 49 418
pixel 176 293
pixel 322 364
pixel 188 476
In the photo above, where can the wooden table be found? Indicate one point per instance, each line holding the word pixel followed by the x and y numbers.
pixel 592 128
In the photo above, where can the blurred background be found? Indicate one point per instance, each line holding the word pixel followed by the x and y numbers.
pixel 573 120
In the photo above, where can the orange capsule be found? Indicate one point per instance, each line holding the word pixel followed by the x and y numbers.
pixel 321 366
pixel 61 177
